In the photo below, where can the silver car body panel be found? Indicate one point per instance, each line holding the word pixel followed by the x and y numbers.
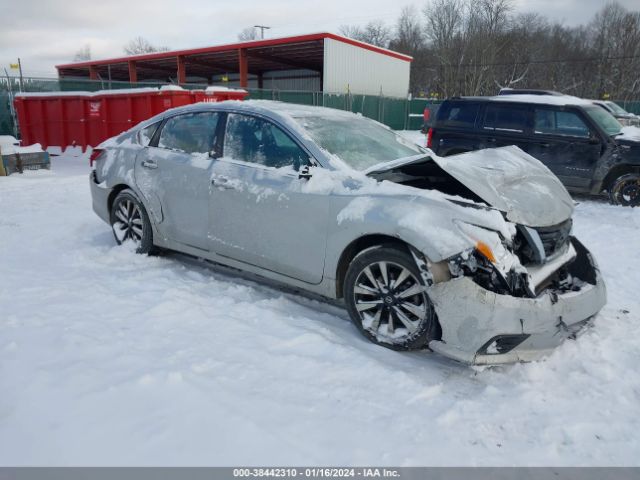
pixel 514 182
pixel 270 223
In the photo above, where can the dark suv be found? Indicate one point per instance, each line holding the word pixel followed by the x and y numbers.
pixel 585 146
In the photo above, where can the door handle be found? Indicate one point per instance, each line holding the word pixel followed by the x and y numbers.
pixel 221 182
pixel 545 145
pixel 148 164
pixel 491 140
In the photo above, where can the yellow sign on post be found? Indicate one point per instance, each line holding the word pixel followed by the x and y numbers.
pixel 14 66
pixel 2 172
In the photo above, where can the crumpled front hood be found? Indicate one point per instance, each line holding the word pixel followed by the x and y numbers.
pixel 514 182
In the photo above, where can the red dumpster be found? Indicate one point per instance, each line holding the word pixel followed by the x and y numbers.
pixel 88 118
pixel 219 94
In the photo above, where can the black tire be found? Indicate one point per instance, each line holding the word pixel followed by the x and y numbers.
pixel 130 222
pixel 625 190
pixel 392 305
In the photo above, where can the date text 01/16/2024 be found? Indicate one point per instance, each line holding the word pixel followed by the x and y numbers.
pixel 316 472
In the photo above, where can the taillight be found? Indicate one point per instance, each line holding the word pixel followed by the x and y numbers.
pixel 430 138
pixel 95 154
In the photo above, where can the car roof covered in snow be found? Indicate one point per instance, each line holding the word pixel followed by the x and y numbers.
pixel 560 100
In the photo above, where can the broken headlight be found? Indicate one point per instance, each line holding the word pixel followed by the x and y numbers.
pixel 490 263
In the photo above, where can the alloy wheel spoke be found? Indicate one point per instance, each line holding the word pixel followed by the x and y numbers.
pixel 120 216
pixel 375 324
pixel 385 274
pixel 123 209
pixel 416 310
pixel 362 289
pixel 362 306
pixel 372 279
pixel 137 231
pixel 411 326
pixel 414 289
pixel 404 274
pixel 390 327
pixel 120 231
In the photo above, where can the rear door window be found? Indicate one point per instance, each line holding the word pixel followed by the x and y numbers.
pixel 558 122
pixel 189 133
pixel 506 118
pixel 460 114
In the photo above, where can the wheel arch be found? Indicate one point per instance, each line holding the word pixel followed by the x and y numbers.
pixel 358 245
pixel 617 171
pixel 114 193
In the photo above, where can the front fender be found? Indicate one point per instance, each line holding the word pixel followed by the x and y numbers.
pixel 428 226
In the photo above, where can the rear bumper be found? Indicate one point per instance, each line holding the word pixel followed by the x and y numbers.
pixel 473 318
pixel 99 197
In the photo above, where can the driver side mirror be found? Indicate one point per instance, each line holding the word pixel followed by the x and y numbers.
pixel 304 172
pixel 593 139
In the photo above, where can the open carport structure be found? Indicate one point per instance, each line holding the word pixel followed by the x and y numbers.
pixel 315 62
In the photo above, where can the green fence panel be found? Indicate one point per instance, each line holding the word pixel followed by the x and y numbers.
pixel 630 106
pixel 6 120
pixel 394 112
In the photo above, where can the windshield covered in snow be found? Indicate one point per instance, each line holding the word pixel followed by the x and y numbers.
pixel 604 119
pixel 359 142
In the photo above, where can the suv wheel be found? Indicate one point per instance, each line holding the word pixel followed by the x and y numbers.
pixel 130 222
pixel 625 190
pixel 387 300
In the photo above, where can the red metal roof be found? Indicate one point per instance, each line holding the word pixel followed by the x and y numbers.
pixel 231 48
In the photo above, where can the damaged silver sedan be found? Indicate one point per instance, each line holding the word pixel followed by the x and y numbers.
pixel 471 256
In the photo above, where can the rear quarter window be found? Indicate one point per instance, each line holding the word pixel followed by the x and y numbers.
pixel 461 114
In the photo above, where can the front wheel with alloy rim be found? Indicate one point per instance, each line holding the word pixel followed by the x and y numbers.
pixel 625 190
pixel 387 300
pixel 130 222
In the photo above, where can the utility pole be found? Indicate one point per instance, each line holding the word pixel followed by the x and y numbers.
pixel 21 82
pixel 262 29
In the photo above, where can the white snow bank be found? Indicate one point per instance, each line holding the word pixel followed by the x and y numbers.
pixel 111 358
pixel 10 145
pixel 215 88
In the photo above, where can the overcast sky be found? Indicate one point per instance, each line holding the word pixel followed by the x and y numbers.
pixel 44 33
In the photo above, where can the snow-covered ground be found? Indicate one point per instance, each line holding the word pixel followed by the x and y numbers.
pixel 111 358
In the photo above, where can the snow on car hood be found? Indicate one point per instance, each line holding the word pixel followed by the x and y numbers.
pixel 514 182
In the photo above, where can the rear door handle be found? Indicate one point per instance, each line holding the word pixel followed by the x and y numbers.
pixel 545 145
pixel 491 140
pixel 148 164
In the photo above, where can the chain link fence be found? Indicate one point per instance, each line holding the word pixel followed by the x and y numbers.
pixel 397 113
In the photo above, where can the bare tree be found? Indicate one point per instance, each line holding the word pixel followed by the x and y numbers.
pixel 140 45
pixel 249 33
pixel 83 54
pixel 374 32
pixel 408 33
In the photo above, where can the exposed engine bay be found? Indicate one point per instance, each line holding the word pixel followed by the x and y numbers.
pixel 544 257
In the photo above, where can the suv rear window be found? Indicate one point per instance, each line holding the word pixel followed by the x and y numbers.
pixel 460 114
pixel 506 118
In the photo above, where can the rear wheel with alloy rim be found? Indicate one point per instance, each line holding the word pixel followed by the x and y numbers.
pixel 387 299
pixel 130 222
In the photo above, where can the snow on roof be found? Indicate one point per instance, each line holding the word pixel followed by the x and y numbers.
pixel 218 88
pixel 561 100
pixel 92 94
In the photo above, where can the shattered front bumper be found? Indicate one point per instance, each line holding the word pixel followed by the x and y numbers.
pixel 481 327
